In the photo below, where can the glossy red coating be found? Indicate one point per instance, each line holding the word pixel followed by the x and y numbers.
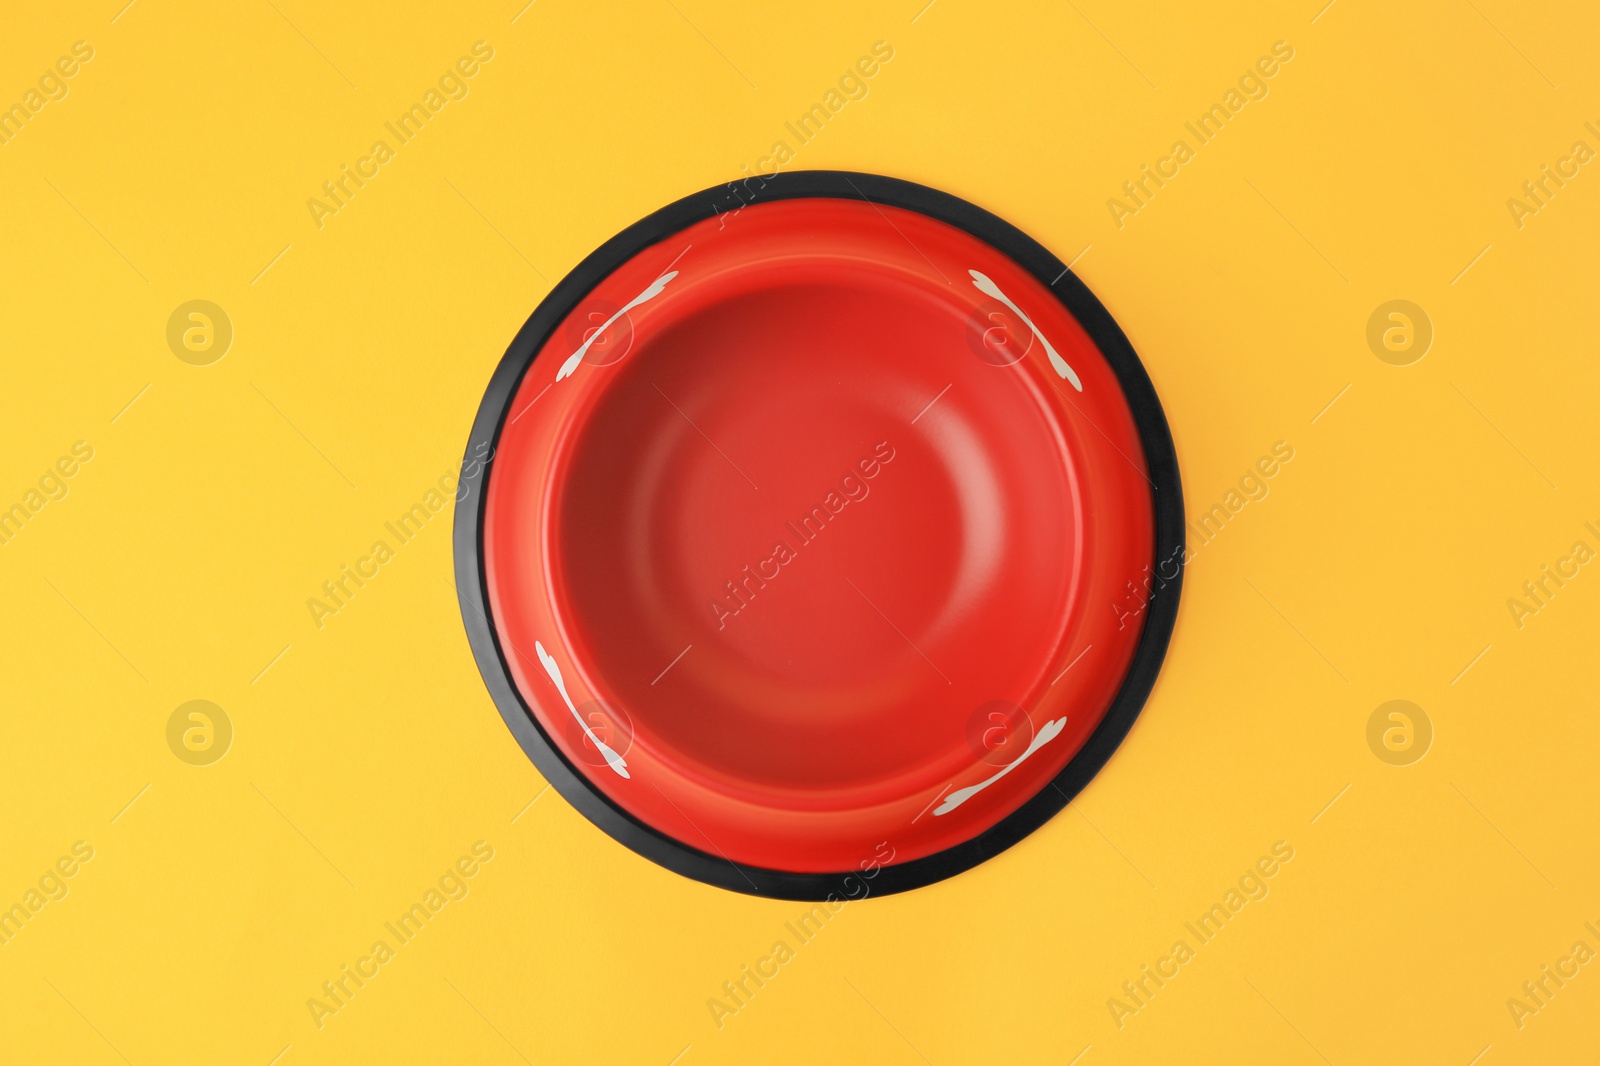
pixel 824 548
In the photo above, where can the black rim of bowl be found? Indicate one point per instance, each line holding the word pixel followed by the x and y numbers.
pixel 1160 611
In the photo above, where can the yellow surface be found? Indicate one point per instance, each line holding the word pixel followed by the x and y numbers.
pixel 366 758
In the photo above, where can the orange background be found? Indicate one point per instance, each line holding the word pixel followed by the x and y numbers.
pixel 366 758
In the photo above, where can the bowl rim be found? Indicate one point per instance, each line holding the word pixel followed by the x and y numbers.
pixel 1166 502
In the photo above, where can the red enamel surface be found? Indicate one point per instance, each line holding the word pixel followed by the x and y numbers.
pixel 924 526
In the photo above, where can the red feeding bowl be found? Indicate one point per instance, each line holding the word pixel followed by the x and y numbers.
pixel 819 535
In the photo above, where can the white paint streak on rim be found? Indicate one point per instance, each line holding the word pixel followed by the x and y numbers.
pixel 1050 731
pixel 991 290
pixel 651 293
pixel 613 760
